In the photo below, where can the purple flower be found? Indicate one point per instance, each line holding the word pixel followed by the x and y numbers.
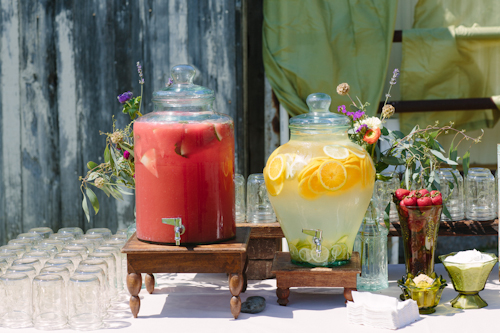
pixel 125 97
pixel 139 70
pixel 361 128
pixel 126 154
pixel 170 82
pixel 341 109
pixel 358 114
pixel 395 74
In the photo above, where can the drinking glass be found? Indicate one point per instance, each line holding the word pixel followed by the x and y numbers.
pixel 111 261
pixel 480 195
pixel 122 232
pixel 13 248
pixel 239 192
pixel 18 309
pixel 26 242
pixel 103 281
pixel 259 209
pixel 34 238
pixel 59 244
pixel 88 243
pixel 98 239
pixel 75 231
pixel 45 232
pixel 382 196
pixel 63 237
pixel 49 302
pixel 3 266
pixel 101 263
pixel 61 262
pixel 50 248
pixel 119 237
pixel 105 232
pixel 43 256
pixel 62 271
pixel 84 302
pixel 26 269
pixel 30 262
pixel 73 256
pixel 83 250
pixel 9 257
pixel 123 257
pixel 453 198
pixel 118 263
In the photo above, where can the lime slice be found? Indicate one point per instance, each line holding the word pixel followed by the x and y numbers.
pixel 320 258
pixel 336 151
pixel 305 254
pixel 294 253
pixel 339 251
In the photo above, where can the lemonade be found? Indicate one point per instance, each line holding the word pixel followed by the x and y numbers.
pixel 319 180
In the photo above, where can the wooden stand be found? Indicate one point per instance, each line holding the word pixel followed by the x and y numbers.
pixel 265 240
pixel 290 275
pixel 228 257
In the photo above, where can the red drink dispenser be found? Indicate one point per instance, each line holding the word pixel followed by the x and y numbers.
pixel 184 153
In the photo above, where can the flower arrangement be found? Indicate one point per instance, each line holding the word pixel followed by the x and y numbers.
pixel 117 173
pixel 419 152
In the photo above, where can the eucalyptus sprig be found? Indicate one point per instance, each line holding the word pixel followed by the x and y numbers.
pixel 117 173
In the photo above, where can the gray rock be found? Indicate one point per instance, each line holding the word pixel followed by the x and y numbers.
pixel 253 304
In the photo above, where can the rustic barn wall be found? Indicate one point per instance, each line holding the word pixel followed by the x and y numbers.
pixel 62 64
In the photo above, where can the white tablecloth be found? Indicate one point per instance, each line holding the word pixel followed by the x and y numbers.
pixel 199 303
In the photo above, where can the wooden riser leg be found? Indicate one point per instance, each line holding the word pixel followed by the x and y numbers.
pixel 134 284
pixel 149 280
pixel 236 282
pixel 348 294
pixel 283 294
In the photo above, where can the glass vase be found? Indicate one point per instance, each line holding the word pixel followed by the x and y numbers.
pixel 419 226
pixel 371 244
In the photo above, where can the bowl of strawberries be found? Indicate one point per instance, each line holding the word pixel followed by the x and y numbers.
pixel 419 216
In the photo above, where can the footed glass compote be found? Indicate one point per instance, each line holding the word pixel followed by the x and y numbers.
pixel 468 280
pixel 425 291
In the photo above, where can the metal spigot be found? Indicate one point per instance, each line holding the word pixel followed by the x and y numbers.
pixel 179 228
pixel 317 237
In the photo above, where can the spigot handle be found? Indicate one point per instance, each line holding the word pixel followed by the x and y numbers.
pixel 317 237
pixel 179 228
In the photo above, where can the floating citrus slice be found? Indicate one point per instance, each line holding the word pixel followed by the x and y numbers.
pixel 320 258
pixel 315 185
pixel 353 176
pixel 309 170
pixel 277 167
pixel 304 190
pixel 336 151
pixel 273 187
pixel 305 254
pixel 340 251
pixel 332 175
pixel 294 253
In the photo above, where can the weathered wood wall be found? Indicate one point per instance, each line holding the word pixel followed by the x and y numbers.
pixel 62 64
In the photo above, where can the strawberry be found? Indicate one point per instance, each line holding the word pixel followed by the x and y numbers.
pixel 423 192
pixel 401 193
pixel 437 200
pixel 424 201
pixel 414 194
pixel 403 211
pixel 410 200
pixel 435 193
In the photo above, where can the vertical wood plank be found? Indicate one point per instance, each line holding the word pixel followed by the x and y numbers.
pixel 271 121
pixel 10 120
pixel 39 130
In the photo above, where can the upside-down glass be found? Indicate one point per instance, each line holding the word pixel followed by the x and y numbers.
pixel 50 248
pixel 111 263
pixel 34 238
pixel 75 231
pixel 119 243
pixel 98 239
pixel 62 271
pixel 118 263
pixel 105 232
pixel 9 256
pixel 103 281
pixel 63 237
pixel 49 302
pixel 239 201
pixel 13 248
pixel 61 262
pixel 88 243
pixel 259 208
pixel 73 256
pixel 29 261
pixel 480 195
pixel 85 302
pixel 26 242
pixel 17 302
pixel 83 250
pixel 101 263
pixel 59 244
pixel 3 266
pixel 43 256
pixel 453 198
pixel 26 269
pixel 45 232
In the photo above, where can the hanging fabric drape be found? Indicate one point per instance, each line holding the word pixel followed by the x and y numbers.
pixel 453 51
pixel 312 46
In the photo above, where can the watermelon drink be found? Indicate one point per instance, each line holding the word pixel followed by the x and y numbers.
pixel 184 169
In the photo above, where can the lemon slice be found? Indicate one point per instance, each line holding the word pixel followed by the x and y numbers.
pixel 305 254
pixel 336 151
pixel 277 167
pixel 304 190
pixel 332 175
pixel 273 187
pixel 321 258
pixel 294 253
pixel 309 169
pixel 340 251
pixel 315 185
pixel 353 176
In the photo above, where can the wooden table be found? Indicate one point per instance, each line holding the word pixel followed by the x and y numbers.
pixel 228 257
pixel 289 275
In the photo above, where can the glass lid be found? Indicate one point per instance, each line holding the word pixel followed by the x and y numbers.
pixel 319 115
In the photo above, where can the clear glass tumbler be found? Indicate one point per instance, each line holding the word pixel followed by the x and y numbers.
pixel 118 263
pixel 61 262
pixel 13 248
pixel 75 231
pixel 26 242
pixel 43 256
pixel 453 198
pixel 50 248
pixel 62 271
pixel 259 208
pixel 63 237
pixel 16 300
pixel 105 232
pixel 50 311
pixel 30 262
pixel 3 266
pixel 98 239
pixel 240 202
pixel 103 281
pixel 34 238
pixel 83 250
pixel 45 232
pixel 59 244
pixel 8 256
pixel 111 262
pixel 480 195
pixel 26 269
pixel 85 302
pixel 75 257
pixel 88 243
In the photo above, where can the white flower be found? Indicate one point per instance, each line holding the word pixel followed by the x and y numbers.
pixel 371 122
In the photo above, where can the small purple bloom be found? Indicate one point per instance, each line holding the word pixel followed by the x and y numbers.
pixel 395 74
pixel 139 70
pixel 126 154
pixel 170 82
pixel 361 128
pixel 341 109
pixel 358 114
pixel 125 97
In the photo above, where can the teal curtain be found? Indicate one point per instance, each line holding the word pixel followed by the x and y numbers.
pixel 453 51
pixel 312 46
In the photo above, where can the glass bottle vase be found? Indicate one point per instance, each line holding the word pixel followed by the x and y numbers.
pixel 371 244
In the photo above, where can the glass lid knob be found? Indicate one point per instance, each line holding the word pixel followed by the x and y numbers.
pixel 319 102
pixel 183 74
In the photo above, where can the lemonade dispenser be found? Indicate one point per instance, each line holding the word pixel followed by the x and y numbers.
pixel 320 185
pixel 184 160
